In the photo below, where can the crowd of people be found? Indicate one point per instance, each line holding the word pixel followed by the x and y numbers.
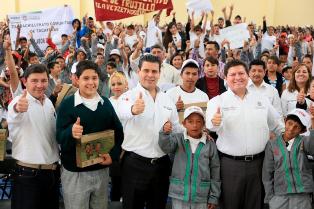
pixel 252 145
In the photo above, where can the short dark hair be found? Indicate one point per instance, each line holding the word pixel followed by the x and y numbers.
pixel 51 65
pixel 149 58
pixel 307 56
pixel 212 60
pixel 257 62
pixel 217 47
pixel 296 119
pixel 32 54
pixel 35 68
pixel 238 17
pixel 130 27
pixel 86 65
pixel 285 69
pixel 156 46
pixel 90 18
pixel 234 63
pixel 60 57
pixel 112 64
pixel 275 59
pixel 22 38
pixel 220 18
pixel 64 35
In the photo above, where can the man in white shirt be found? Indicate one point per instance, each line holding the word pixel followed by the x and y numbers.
pixel 257 84
pixel 243 121
pixel 154 35
pixel 32 127
pixel 145 167
pixel 187 92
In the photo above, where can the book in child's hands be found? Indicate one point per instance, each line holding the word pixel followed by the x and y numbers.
pixel 91 145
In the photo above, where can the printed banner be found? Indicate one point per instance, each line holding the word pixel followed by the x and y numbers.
pixel 120 9
pixel 235 34
pixel 39 22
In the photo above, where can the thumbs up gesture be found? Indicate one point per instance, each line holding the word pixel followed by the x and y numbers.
pixel 77 129
pixel 180 104
pixel 167 128
pixel 217 118
pixel 139 105
pixel 22 103
pixel 301 97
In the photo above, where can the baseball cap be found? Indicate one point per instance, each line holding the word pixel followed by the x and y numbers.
pixel 100 46
pixel 193 109
pixel 115 52
pixel 189 61
pixel 81 50
pixel 303 116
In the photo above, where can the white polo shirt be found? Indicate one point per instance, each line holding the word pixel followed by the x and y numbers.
pixel 268 91
pixel 246 123
pixel 141 132
pixel 33 133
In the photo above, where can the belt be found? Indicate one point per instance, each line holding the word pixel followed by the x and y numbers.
pixel 246 158
pixel 52 166
pixel 152 161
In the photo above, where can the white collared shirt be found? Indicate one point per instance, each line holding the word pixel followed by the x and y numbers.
pixel 268 91
pixel 169 77
pixel 193 141
pixel 91 104
pixel 141 132
pixel 246 123
pixel 33 133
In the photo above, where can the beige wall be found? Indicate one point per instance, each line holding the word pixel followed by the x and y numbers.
pixel 278 12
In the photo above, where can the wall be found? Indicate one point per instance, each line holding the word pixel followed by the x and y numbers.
pixel 278 12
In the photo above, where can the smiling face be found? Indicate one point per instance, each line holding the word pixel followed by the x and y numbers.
pixel 237 79
pixel 194 125
pixel 117 86
pixel 257 74
pixel 88 83
pixel 149 75
pixel 301 75
pixel 36 84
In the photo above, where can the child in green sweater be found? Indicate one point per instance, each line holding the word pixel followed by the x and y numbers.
pixel 83 113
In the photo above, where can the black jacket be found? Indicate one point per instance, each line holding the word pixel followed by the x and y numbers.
pixel 202 85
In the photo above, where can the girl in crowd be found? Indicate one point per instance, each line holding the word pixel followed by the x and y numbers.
pixel 297 89
pixel 211 83
pixel 118 85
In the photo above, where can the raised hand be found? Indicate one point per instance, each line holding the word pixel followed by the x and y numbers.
pixel 77 129
pixel 139 105
pixel 179 104
pixel 217 118
pixel 22 104
pixel 167 128
pixel 301 97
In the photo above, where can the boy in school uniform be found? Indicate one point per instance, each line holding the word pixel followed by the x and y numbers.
pixel 83 113
pixel 195 178
pixel 287 175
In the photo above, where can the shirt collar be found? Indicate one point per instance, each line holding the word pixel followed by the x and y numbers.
pixel 202 139
pixel 33 99
pixel 78 99
pixel 250 83
pixel 142 89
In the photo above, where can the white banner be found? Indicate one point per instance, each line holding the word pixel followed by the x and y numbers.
pixel 39 22
pixel 235 34
pixel 199 6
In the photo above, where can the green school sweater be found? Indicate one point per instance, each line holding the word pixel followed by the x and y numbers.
pixel 103 118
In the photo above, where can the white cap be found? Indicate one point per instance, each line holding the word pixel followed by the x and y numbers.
pixel 303 116
pixel 100 46
pixel 189 61
pixel 193 109
pixel 116 52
